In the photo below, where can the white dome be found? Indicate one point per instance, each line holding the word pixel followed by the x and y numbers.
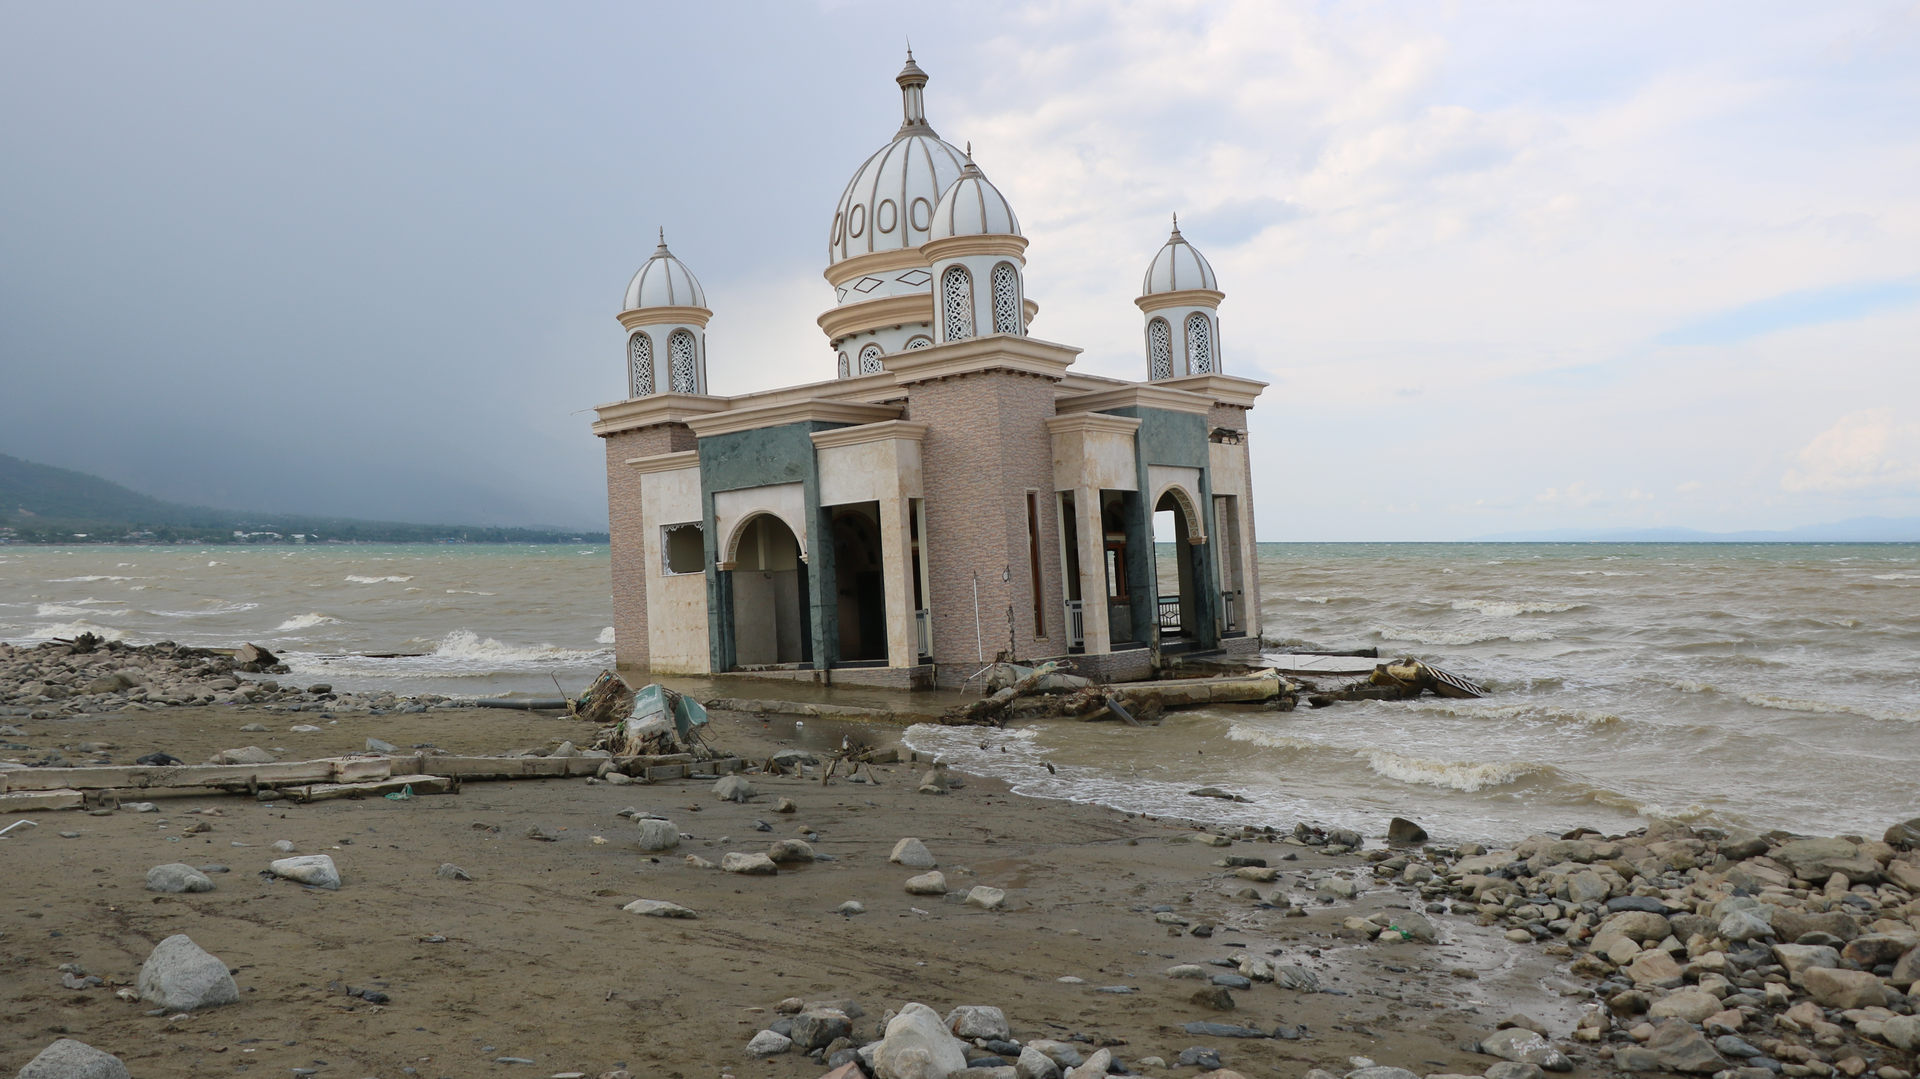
pixel 888 205
pixel 664 281
pixel 973 207
pixel 1177 267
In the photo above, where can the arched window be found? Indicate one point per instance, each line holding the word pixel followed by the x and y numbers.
pixel 845 371
pixel 1159 349
pixel 1006 299
pixel 870 360
pixel 640 364
pixel 920 342
pixel 1199 344
pixel 682 366
pixel 956 296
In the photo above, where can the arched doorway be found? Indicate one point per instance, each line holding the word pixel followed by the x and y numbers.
pixel 769 595
pixel 861 588
pixel 1173 530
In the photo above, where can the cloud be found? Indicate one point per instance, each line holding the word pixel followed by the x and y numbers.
pixel 1870 451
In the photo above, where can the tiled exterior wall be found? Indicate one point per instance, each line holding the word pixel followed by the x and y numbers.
pixel 627 535
pixel 986 445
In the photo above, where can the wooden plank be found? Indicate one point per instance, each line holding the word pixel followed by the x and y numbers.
pixel 35 801
pixel 421 784
pixel 510 767
pixel 667 771
pixel 142 777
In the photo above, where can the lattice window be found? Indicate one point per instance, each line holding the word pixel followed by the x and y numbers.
pixel 1159 349
pixel 956 294
pixel 1199 344
pixel 640 364
pixel 1006 299
pixel 845 371
pixel 682 367
pixel 920 342
pixel 870 360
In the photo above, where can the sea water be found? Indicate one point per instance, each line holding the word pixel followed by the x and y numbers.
pixel 1761 685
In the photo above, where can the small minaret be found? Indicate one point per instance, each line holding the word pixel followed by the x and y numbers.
pixel 1181 300
pixel 976 254
pixel 913 99
pixel 665 315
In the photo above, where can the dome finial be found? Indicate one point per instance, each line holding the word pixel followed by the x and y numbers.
pixel 913 102
pixel 663 237
pixel 1176 229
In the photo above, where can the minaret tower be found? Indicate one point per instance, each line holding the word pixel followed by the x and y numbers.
pixel 1181 300
pixel 665 315
pixel 975 254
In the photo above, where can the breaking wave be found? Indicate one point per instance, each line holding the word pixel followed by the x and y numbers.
pixel 89 579
pixel 1258 737
pixel 1507 609
pixel 75 629
pixel 1466 709
pixel 1440 636
pixel 464 644
pixel 1791 704
pixel 1896 576
pixel 1466 776
pixel 466 592
pixel 355 578
pixel 606 636
pixel 74 609
pixel 305 621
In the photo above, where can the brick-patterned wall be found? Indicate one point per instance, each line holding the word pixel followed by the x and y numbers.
pixel 1234 418
pixel 986 444
pixel 627 535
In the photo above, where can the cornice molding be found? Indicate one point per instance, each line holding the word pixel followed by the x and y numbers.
pixel 1093 421
pixel 876 262
pixel 977 355
pixel 1222 389
pixel 782 413
pixel 951 247
pixel 653 410
pixel 1186 297
pixel 663 316
pixel 866 315
pixel 665 462
pixel 884 431
pixel 1138 395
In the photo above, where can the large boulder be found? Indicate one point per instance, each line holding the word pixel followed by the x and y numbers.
pixel 1818 859
pixel 970 1021
pixel 913 854
pixel 1843 989
pixel 180 976
pixel 1678 1047
pixel 1904 836
pixel 658 834
pixel 69 1059
pixel 315 870
pixel 177 877
pixel 916 1045
pixel 1902 1031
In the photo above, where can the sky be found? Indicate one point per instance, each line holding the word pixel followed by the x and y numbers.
pixel 1505 266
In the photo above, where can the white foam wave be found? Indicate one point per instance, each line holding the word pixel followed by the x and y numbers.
pixel 1792 704
pixel 1313 599
pixel 1441 636
pixel 1498 608
pixel 1466 776
pixel 88 579
pixel 1896 576
pixel 466 644
pixel 1255 736
pixel 355 578
pixel 210 565
pixel 306 621
pixel 606 636
pixel 75 629
pixel 1468 709
pixel 1685 686
pixel 465 592
pixel 65 610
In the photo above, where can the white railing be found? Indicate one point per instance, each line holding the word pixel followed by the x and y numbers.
pixel 1229 611
pixel 923 630
pixel 1076 624
pixel 1170 613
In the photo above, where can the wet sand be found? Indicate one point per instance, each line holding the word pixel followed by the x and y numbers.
pixel 540 962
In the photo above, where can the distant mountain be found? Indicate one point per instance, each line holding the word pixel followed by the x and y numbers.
pixel 1853 530
pixel 43 504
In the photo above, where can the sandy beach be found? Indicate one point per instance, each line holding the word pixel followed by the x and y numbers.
pixel 539 961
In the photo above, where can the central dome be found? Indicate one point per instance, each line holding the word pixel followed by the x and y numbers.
pixel 889 203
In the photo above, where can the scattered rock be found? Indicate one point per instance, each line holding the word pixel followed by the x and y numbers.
pixel 1526 1047
pixel 177 877
pixel 916 1045
pixel 659 908
pixel 314 870
pixel 375 745
pixel 734 789
pixel 1213 996
pixel 913 854
pixel 788 851
pixel 1034 1064
pixel 986 898
pixel 1843 989
pixel 247 755
pixel 818 1029
pixel 1692 1005
pixel 658 834
pixel 851 906
pixel 449 871
pixel 1402 832
pixel 934 883
pixel 970 1021
pixel 180 976
pixel 69 1059
pixel 1676 1046
pixel 754 865
pixel 767 1044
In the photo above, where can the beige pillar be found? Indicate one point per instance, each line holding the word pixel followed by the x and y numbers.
pixel 896 566
pixel 1093 570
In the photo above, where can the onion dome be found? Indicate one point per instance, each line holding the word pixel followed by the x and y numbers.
pixel 972 206
pixel 1178 267
pixel 888 205
pixel 664 281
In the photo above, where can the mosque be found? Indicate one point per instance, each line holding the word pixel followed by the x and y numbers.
pixel 956 492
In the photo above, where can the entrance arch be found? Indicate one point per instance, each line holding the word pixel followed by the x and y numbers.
pixel 769 594
pixel 1179 612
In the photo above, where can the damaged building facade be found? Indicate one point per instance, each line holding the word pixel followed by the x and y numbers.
pixel 956 491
